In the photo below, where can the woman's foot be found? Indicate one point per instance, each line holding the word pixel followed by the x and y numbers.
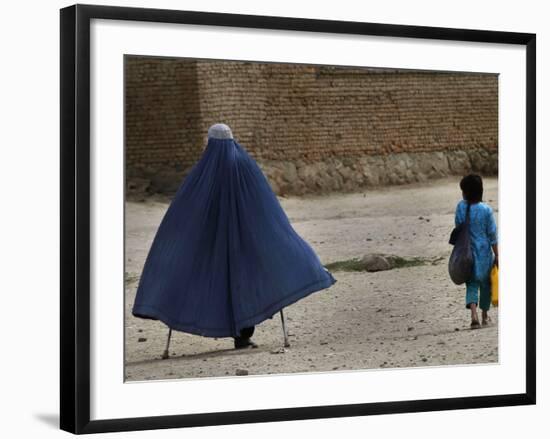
pixel 245 343
pixel 475 324
pixel 243 340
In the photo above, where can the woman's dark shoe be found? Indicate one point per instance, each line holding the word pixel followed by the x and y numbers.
pixel 245 343
pixel 475 324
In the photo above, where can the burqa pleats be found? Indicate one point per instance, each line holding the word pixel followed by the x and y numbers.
pixel 225 255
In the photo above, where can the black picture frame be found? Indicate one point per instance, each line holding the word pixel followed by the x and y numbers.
pixel 75 217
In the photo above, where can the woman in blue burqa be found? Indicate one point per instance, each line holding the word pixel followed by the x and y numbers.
pixel 225 256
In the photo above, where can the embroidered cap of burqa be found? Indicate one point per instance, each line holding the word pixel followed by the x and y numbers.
pixel 225 256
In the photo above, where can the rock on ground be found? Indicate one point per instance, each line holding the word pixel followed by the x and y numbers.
pixel 376 262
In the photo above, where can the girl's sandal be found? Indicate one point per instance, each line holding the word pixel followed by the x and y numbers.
pixel 475 324
pixel 486 322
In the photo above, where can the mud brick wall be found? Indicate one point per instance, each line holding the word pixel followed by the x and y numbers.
pixel 162 121
pixel 304 115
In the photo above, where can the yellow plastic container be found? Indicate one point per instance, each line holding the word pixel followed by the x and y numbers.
pixel 494 285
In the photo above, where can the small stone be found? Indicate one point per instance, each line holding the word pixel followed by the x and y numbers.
pixel 241 372
pixel 457 329
pixel 141 339
pixel 278 351
pixel 424 359
pixel 410 328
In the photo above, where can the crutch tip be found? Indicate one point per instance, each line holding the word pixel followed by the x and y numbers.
pixel 287 344
pixel 165 355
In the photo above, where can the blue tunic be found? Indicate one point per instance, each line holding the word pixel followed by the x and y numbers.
pixel 483 234
pixel 225 256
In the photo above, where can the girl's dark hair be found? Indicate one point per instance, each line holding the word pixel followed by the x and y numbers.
pixel 472 188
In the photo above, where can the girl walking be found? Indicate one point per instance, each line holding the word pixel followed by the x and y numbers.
pixel 483 235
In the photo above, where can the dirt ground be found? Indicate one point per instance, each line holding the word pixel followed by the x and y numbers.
pixel 405 317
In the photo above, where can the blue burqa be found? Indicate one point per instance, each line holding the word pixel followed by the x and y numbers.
pixel 225 256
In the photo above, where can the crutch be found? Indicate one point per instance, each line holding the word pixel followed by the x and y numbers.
pixel 166 354
pixel 285 334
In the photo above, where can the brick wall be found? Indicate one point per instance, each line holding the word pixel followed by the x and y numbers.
pixel 301 112
pixel 162 121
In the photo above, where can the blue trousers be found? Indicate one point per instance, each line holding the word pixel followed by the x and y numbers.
pixel 481 290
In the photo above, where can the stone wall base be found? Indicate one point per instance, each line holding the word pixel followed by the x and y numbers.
pixel 350 174
pixel 340 174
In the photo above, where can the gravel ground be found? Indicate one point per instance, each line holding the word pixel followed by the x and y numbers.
pixel 405 317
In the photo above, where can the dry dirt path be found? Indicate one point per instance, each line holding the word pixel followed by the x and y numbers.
pixel 406 317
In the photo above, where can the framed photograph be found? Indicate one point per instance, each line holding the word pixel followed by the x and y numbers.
pixel 276 218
